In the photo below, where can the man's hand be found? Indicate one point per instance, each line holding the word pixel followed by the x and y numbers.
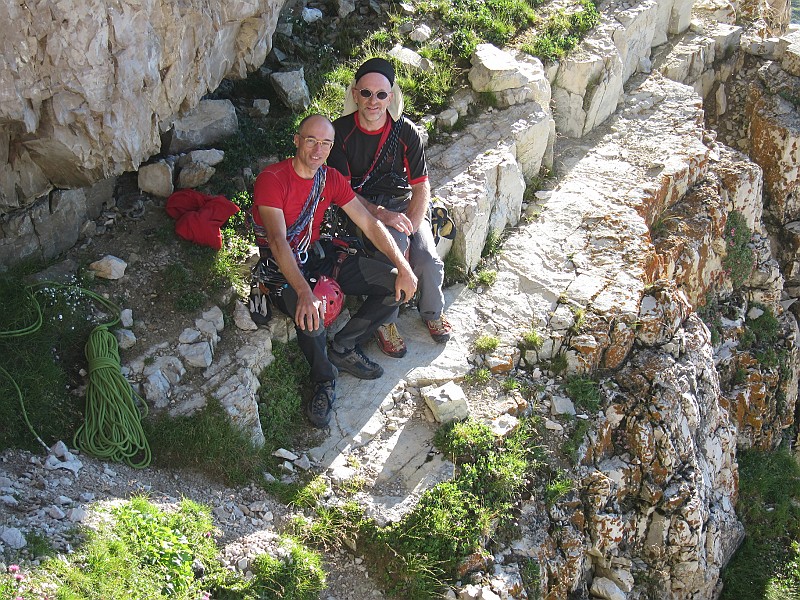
pixel 405 285
pixel 406 282
pixel 310 311
pixel 397 220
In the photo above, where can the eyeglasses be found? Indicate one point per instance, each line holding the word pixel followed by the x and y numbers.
pixel 311 142
pixel 365 93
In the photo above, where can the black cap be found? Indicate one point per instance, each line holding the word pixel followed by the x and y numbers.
pixel 377 65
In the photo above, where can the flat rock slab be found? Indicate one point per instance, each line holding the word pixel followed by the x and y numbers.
pixel 578 272
pixel 392 435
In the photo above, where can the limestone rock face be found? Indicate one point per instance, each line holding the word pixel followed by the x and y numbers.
pixel 775 138
pixel 664 442
pixel 686 444
pixel 481 175
pixel 86 87
pixel 588 83
pixel 211 121
pixel 512 77
pixel 579 271
pixel 688 234
pixel 52 223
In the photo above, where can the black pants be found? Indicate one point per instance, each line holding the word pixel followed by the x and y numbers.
pixel 360 276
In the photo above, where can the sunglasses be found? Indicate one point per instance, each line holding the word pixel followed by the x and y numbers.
pixel 365 93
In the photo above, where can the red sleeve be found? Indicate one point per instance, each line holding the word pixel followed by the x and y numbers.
pixel 269 190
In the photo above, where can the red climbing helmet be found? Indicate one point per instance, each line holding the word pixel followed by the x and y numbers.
pixel 331 294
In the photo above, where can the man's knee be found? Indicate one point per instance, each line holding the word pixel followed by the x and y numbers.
pixel 400 238
pixel 311 333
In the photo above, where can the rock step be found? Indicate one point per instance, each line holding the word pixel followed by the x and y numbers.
pixel 584 262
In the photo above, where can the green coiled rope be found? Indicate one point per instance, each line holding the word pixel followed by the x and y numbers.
pixel 112 428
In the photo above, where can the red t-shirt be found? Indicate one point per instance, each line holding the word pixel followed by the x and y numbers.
pixel 279 186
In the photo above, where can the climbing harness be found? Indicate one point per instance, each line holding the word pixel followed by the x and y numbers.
pixel 387 147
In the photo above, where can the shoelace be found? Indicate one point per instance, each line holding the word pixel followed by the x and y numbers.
pixel 320 403
pixel 393 336
pixel 363 356
pixel 440 325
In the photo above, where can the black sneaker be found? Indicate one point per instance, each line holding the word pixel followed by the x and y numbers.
pixel 356 363
pixel 318 409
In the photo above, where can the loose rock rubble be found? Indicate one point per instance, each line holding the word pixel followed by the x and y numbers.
pixel 54 496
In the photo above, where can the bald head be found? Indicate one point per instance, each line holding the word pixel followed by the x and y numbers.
pixel 317 123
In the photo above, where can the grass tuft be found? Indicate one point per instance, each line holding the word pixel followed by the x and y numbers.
pixel 562 31
pixel 738 260
pixel 585 392
pixel 532 340
pixel 479 376
pixel 209 442
pixel 483 277
pixel 767 565
pixel 486 343
pixel 281 393
pixel 493 245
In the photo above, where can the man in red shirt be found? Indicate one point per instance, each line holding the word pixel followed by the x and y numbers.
pixel 382 156
pixel 289 202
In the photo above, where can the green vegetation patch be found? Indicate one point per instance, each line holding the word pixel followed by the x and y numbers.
pixel 43 332
pixel 738 260
pixel 483 277
pixel 199 271
pixel 585 392
pixel 532 340
pixel 455 519
pixel 209 442
pixel 711 313
pixel 573 443
pixel 493 245
pixel 298 575
pixel 562 31
pixel 477 21
pixel 281 393
pixel 143 552
pixel 762 338
pixel 767 565
pixel 461 517
pixel 559 486
pixel 486 343
pixel 479 376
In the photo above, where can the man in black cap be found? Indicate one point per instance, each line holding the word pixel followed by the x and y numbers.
pixel 382 154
